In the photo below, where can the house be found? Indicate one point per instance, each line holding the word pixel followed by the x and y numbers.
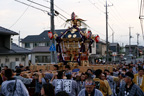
pixel 101 49
pixel 10 53
pixel 41 55
pixel 131 50
pixel 40 44
pixel 114 47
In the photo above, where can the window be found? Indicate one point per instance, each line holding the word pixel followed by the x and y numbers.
pixel 47 44
pixel 16 59
pixel 35 44
pixel 27 45
pixel 7 60
pixel 97 46
pixel 43 59
pixel 23 59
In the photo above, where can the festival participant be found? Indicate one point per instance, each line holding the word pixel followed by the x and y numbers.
pixel 57 81
pixel 12 86
pixel 38 85
pixel 2 76
pixel 123 71
pixel 91 73
pixel 55 67
pixel 109 92
pixel 5 67
pixel 47 90
pixel 139 78
pixel 121 79
pixel 70 86
pixel 112 81
pixel 67 70
pixel 99 84
pixel 90 89
pixel 130 89
pixel 81 82
pixel 131 69
pixel 24 80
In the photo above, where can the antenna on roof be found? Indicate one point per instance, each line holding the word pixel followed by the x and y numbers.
pixel 19 39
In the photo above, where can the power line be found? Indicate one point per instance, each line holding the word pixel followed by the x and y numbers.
pixel 32 6
pixel 111 29
pixel 19 18
pixel 69 14
pixel 96 6
pixel 58 7
pixel 46 7
pixel 119 15
pixel 39 8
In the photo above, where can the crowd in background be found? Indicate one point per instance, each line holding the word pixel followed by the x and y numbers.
pixel 125 80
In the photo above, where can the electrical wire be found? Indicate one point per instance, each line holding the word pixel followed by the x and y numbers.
pixel 46 7
pixel 58 7
pixel 116 12
pixel 19 18
pixel 96 6
pixel 68 14
pixel 111 29
pixel 31 6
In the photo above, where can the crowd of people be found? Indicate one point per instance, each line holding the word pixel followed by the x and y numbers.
pixel 124 80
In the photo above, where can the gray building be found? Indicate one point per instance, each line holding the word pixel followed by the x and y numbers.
pixel 114 47
pixel 39 45
pixel 132 49
pixel 10 53
pixel 100 49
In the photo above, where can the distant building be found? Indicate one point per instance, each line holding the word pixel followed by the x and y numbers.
pixel 132 49
pixel 41 55
pixel 114 47
pixel 32 41
pixel 10 53
pixel 101 49
pixel 39 44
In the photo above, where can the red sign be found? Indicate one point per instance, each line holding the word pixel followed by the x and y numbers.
pixel 97 38
pixel 50 35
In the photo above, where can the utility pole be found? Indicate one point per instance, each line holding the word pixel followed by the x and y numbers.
pixel 107 43
pixel 130 40
pixel 53 55
pixel 113 37
pixel 137 43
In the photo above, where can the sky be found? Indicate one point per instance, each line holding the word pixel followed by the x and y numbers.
pixel 122 14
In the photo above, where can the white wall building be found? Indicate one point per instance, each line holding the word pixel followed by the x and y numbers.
pixel 10 53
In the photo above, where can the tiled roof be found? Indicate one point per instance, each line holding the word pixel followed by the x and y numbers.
pixel 114 44
pixel 15 49
pixel 41 49
pixel 131 46
pixel 43 37
pixel 5 31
